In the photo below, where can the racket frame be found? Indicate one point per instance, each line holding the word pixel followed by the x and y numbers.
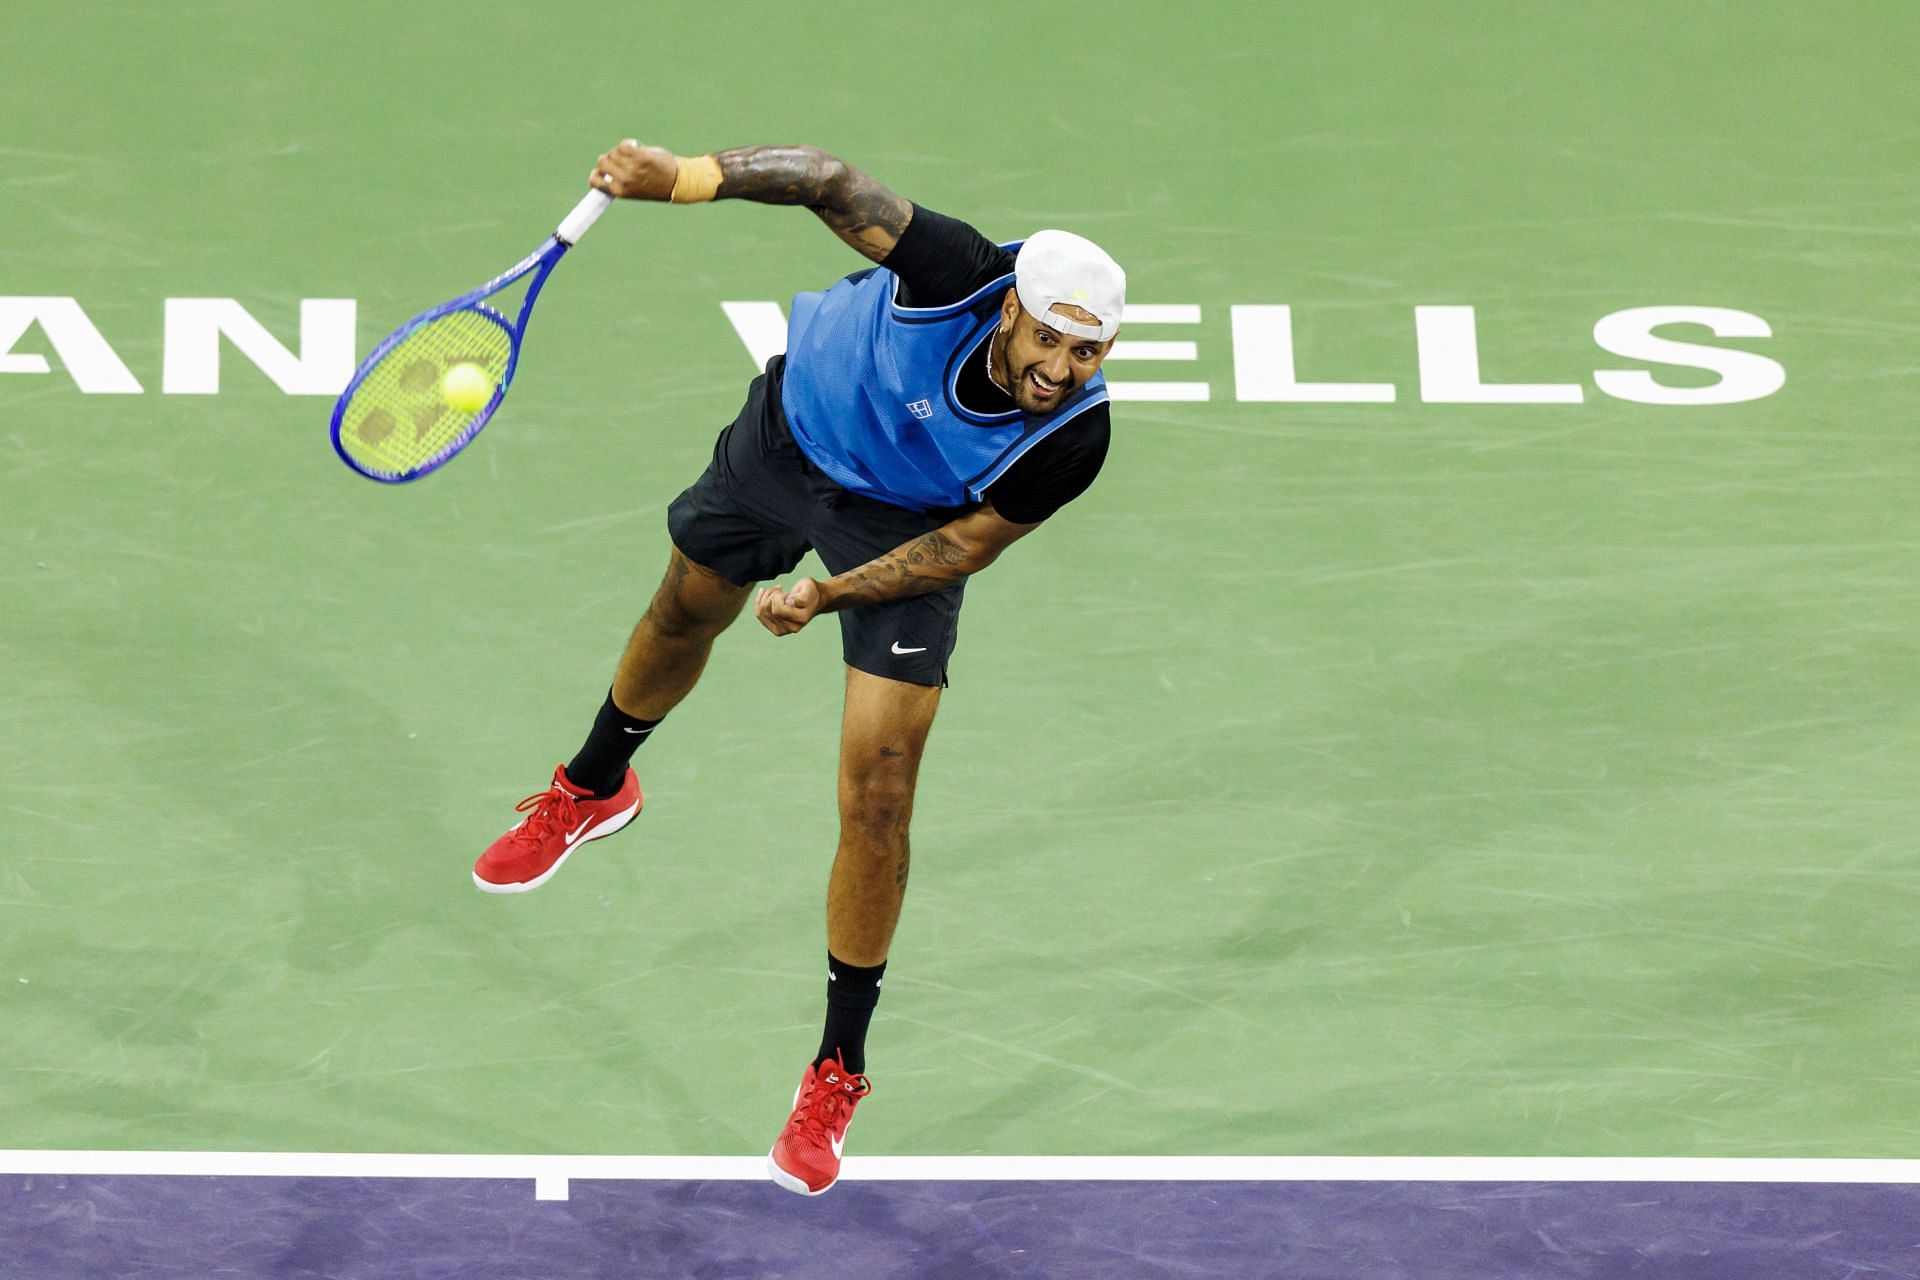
pixel 540 263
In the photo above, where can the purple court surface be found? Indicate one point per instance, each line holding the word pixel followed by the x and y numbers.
pixel 154 1227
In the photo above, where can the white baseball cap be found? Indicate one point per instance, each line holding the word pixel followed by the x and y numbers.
pixel 1061 267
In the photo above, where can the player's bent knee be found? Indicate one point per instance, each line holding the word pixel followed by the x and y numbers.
pixel 877 803
pixel 693 602
pixel 671 617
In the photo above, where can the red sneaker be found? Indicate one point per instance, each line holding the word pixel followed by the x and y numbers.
pixel 806 1155
pixel 564 817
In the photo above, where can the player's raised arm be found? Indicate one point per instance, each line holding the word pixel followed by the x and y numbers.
pixel 861 211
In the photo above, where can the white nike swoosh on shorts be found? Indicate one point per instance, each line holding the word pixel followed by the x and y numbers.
pixel 897 649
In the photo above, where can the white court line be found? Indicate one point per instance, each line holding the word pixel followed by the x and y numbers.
pixel 1159 390
pixel 1130 350
pixel 1148 313
pixel 552 1174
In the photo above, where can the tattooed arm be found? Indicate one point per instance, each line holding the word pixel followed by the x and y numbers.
pixel 928 563
pixel 861 211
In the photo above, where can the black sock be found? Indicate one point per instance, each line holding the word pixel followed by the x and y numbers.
pixel 852 992
pixel 601 765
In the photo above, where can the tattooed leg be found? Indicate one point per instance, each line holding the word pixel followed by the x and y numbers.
pixel 670 644
pixel 881 737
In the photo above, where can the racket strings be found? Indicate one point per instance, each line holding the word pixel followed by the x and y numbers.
pixel 398 418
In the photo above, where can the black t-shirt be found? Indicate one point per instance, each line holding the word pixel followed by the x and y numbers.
pixel 940 260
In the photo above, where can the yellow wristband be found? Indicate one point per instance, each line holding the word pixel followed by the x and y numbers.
pixel 696 180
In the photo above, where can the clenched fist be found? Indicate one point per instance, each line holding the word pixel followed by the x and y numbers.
pixel 634 172
pixel 785 612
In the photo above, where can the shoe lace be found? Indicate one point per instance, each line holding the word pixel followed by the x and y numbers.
pixel 824 1106
pixel 554 812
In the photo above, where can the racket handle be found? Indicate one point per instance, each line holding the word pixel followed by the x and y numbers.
pixel 575 224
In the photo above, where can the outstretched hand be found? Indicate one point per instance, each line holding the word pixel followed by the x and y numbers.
pixel 785 612
pixel 634 172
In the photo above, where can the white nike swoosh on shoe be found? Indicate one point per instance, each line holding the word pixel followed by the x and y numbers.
pixel 838 1144
pixel 898 649
pixel 576 832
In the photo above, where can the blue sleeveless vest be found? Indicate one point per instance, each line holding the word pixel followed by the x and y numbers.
pixel 869 393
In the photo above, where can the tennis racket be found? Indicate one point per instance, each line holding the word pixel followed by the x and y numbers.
pixel 393 422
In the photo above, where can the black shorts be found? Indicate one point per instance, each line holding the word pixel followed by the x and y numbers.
pixel 761 505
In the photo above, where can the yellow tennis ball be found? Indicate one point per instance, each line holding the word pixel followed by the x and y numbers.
pixel 467 387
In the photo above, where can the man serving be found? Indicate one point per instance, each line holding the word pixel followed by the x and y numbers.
pixel 929 412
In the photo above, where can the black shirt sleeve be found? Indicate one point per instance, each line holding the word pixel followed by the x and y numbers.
pixel 1055 471
pixel 941 260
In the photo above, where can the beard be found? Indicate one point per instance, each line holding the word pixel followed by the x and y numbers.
pixel 1029 399
pixel 1020 386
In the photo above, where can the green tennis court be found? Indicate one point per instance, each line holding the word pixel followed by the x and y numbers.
pixel 1340 777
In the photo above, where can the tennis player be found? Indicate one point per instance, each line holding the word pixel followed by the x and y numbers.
pixel 929 412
